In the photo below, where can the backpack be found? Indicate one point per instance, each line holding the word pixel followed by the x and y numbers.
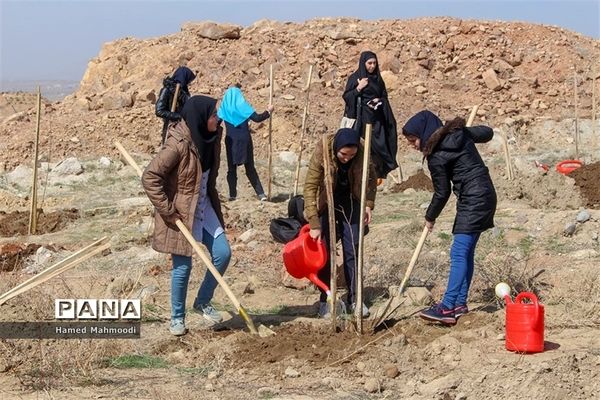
pixel 284 230
pixel 296 209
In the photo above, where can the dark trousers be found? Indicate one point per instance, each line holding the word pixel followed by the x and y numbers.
pixel 347 231
pixel 250 173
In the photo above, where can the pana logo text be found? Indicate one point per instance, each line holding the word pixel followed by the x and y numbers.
pixel 97 309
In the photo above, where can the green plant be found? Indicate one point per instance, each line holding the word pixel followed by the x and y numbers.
pixel 137 361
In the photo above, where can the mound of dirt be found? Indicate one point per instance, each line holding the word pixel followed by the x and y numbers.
pixel 13 255
pixel 17 222
pixel 419 181
pixel 586 178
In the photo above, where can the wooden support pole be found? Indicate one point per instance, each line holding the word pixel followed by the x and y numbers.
pixel 128 158
pixel 332 299
pixel 575 101
pixel 595 141
pixel 507 158
pixel 56 269
pixel 270 162
pixel 175 96
pixel 303 130
pixel 472 115
pixel 361 228
pixel 33 209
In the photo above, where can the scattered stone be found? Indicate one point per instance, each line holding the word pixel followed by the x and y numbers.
pixel 212 30
pixel 391 371
pixel 288 97
pixel 360 366
pixel 21 176
pixel 69 166
pixel 288 157
pixel 418 295
pixel 248 235
pixel 291 372
pixel 104 162
pixel 372 385
pixel 583 216
pixel 491 79
pixel 569 229
pixel 501 336
pixel 267 392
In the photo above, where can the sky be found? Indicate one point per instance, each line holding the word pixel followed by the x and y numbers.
pixel 54 40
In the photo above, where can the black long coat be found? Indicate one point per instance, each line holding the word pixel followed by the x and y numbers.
pixel 456 166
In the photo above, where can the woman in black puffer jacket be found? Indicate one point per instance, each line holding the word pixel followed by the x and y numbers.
pixel 182 76
pixel 455 166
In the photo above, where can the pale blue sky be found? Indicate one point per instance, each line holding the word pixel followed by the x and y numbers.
pixel 43 40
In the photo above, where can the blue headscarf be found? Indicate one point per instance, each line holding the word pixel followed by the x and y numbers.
pixel 234 108
pixel 345 137
pixel 422 125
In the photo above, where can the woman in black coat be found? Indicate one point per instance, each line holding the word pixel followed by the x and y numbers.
pixel 182 76
pixel 455 166
pixel 367 102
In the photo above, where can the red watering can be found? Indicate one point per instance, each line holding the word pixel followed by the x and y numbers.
pixel 524 324
pixel 303 257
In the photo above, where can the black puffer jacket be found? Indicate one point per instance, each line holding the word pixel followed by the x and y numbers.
pixel 165 99
pixel 455 165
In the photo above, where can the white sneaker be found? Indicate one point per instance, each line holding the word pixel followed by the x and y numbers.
pixel 209 313
pixel 365 310
pixel 324 310
pixel 177 327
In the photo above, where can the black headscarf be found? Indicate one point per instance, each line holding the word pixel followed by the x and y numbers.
pixel 345 137
pixel 184 76
pixel 422 125
pixel 376 87
pixel 196 112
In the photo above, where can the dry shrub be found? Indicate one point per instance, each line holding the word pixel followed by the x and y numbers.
pixel 577 299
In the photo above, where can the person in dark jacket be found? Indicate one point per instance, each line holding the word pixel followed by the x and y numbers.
pixel 455 166
pixel 346 166
pixel 237 112
pixel 182 76
pixel 181 184
pixel 367 101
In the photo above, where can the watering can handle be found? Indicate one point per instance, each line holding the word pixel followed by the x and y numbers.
pixel 305 228
pixel 534 300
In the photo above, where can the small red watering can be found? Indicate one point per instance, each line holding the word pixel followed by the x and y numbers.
pixel 524 323
pixel 303 257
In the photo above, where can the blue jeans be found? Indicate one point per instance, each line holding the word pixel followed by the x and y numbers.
pixel 220 253
pixel 462 264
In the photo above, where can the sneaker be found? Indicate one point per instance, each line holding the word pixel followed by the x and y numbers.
pixel 177 327
pixel 365 310
pixel 438 312
pixel 324 310
pixel 232 198
pixel 209 313
pixel 461 310
pixel 262 197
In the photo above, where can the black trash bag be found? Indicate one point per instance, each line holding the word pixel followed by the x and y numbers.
pixel 284 230
pixel 296 209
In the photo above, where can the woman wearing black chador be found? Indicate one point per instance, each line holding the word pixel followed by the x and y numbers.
pixel 366 101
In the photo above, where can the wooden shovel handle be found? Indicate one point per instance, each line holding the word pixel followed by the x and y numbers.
pixel 414 259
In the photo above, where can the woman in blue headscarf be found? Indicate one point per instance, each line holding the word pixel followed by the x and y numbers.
pixel 367 102
pixel 455 166
pixel 182 76
pixel 236 112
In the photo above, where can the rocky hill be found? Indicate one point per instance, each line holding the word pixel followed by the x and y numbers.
pixel 517 72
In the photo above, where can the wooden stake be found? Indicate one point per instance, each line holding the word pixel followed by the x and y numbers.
pixel 575 101
pixel 361 228
pixel 304 115
pixel 128 158
pixel 507 159
pixel 56 269
pixel 472 115
pixel 269 178
pixel 33 208
pixel 400 176
pixel 175 96
pixel 332 300
pixel 413 260
pixel 594 107
pixel 241 311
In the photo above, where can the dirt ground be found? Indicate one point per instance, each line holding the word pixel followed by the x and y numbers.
pixel 586 178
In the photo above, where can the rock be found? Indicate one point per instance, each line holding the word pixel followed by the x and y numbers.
pixel 391 371
pixel 212 375
pixel 421 89
pixel 360 366
pixel 424 206
pixel 104 162
pixel 595 236
pixel 569 229
pixel 461 396
pixel 39 261
pixel 491 79
pixel 248 235
pixel 212 30
pixel 291 372
pixel 372 385
pixel 20 176
pixel 69 166
pixel 288 157
pixel 583 216
pixel 267 392
pixel 116 101
pixel 501 336
pixel 288 97
pixel 418 295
